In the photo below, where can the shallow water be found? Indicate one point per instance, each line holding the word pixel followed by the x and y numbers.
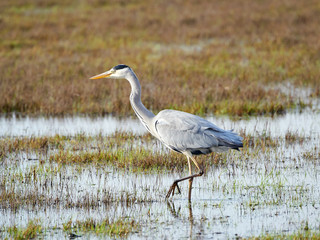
pixel 307 122
pixel 275 191
pixel 50 126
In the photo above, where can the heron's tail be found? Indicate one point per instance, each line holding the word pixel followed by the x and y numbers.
pixel 230 139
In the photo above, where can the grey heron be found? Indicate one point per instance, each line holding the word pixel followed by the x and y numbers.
pixel 180 131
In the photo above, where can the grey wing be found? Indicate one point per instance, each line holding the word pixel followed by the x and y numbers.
pixel 182 132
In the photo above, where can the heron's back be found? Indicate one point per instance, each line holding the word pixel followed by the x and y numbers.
pixel 185 132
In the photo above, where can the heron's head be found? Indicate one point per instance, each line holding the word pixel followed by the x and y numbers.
pixel 119 71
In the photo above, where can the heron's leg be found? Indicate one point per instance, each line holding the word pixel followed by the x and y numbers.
pixel 195 163
pixel 172 189
pixel 175 183
pixel 190 180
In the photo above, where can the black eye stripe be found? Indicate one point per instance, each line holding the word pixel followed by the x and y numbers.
pixel 120 66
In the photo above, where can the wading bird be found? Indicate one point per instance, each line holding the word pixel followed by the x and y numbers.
pixel 180 131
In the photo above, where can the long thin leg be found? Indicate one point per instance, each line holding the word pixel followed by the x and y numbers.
pixel 190 180
pixel 175 183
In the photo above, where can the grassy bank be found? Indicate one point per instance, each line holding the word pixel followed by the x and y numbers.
pixel 209 57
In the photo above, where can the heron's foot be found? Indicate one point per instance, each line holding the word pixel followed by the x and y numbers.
pixel 172 189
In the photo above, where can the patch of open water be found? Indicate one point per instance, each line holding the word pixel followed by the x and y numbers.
pixel 294 121
pixel 50 126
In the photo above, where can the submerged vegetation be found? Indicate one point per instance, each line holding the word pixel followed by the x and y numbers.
pixel 209 57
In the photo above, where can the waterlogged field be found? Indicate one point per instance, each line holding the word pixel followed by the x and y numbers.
pixel 93 178
pixel 69 168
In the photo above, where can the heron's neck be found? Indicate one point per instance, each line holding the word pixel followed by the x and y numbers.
pixel 141 111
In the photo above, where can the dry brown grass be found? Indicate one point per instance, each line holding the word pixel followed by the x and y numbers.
pixel 49 49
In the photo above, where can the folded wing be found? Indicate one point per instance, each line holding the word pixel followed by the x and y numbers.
pixel 183 131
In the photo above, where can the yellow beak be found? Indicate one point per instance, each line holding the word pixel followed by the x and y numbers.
pixel 102 75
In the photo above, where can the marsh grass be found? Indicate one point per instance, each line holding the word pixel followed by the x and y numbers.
pixel 117 228
pixel 34 199
pixel 122 150
pixel 31 231
pixel 125 150
pixel 312 235
pixel 140 159
pixel 120 228
pixel 49 49
pixel 312 155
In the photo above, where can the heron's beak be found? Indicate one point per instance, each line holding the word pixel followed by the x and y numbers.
pixel 102 75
